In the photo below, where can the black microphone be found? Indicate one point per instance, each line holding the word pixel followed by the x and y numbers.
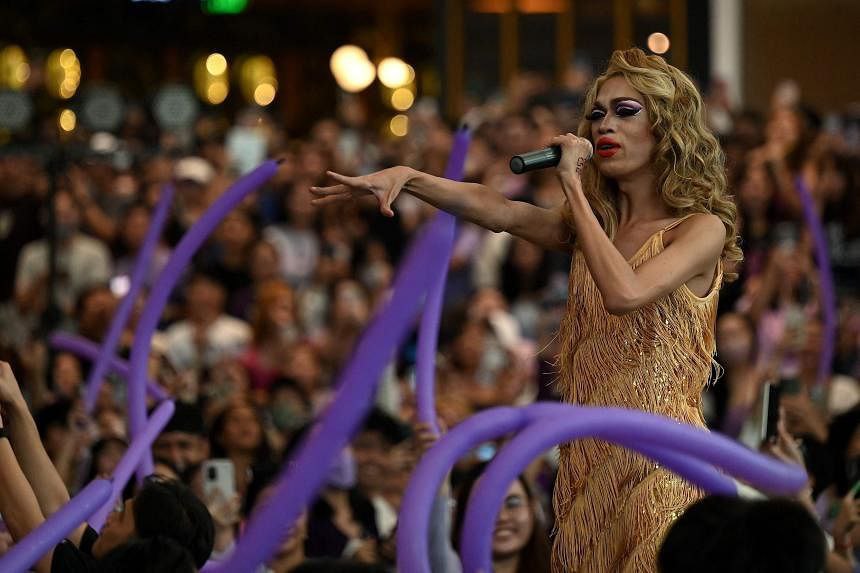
pixel 540 159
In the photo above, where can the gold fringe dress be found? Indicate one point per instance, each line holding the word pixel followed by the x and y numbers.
pixel 613 506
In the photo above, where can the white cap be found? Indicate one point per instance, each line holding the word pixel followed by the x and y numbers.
pixel 194 169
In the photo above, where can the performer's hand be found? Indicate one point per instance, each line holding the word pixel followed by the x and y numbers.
pixel 575 151
pixel 385 185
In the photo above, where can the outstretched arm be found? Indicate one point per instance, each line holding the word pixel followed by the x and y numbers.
pixel 469 201
pixel 693 253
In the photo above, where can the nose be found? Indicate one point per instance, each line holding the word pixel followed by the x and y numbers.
pixel 606 124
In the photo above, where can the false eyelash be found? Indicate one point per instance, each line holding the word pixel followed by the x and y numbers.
pixel 595 115
pixel 627 110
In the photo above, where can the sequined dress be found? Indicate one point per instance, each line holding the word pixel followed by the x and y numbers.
pixel 612 506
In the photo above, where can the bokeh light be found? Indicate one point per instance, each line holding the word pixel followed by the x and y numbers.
pixel 352 69
pixel 63 73
pixel 14 67
pixel 658 43
pixel 264 94
pixel 210 78
pixel 399 125
pixel 216 64
pixel 394 72
pixel 257 80
pixel 216 92
pixel 402 99
pixel 68 59
pixel 67 120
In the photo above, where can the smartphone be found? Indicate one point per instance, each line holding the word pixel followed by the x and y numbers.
pixel 219 475
pixel 770 412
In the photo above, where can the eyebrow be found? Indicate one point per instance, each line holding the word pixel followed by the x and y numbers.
pixel 616 100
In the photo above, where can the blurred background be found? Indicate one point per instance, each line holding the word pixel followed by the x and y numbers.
pixel 277 54
pixel 103 103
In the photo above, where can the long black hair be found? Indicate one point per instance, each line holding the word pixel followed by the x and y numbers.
pixel 535 555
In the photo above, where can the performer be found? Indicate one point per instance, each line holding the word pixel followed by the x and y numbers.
pixel 650 228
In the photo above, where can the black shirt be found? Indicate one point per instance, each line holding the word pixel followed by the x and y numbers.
pixel 71 559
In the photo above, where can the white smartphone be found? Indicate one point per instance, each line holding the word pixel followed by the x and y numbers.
pixel 219 475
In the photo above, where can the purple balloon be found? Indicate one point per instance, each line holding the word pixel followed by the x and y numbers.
pixel 414 516
pixel 160 292
pixel 616 425
pixel 84 348
pixel 29 550
pixel 138 276
pixel 428 331
pixel 825 273
pixel 299 481
pixel 412 535
pixel 125 468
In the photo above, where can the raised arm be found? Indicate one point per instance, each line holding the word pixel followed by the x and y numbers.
pixel 693 253
pixel 48 487
pixel 17 502
pixel 472 202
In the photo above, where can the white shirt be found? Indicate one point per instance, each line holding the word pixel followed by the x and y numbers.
pixel 226 337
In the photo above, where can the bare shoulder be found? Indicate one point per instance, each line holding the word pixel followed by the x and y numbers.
pixel 702 237
pixel 703 229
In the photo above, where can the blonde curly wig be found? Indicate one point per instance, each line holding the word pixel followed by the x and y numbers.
pixel 688 160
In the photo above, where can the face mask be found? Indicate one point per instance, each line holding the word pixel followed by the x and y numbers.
pixel 341 475
pixel 286 418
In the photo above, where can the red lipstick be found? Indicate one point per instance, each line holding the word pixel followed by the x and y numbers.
pixel 607 147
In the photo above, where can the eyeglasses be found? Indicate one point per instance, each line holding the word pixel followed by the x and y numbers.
pixel 514 502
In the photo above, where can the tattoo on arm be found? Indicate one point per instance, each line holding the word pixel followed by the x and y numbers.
pixel 579 164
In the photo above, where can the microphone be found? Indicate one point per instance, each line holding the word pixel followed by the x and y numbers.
pixel 540 159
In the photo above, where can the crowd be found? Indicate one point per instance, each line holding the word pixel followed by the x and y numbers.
pixel 253 338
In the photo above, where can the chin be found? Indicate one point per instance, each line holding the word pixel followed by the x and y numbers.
pixel 616 169
pixel 611 171
pixel 503 551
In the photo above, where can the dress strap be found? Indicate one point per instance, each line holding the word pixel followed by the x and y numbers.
pixel 678 222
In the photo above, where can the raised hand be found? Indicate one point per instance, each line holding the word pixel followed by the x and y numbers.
pixel 575 151
pixel 425 437
pixel 385 185
pixel 9 389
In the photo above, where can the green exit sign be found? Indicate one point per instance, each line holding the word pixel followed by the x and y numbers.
pixel 224 6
